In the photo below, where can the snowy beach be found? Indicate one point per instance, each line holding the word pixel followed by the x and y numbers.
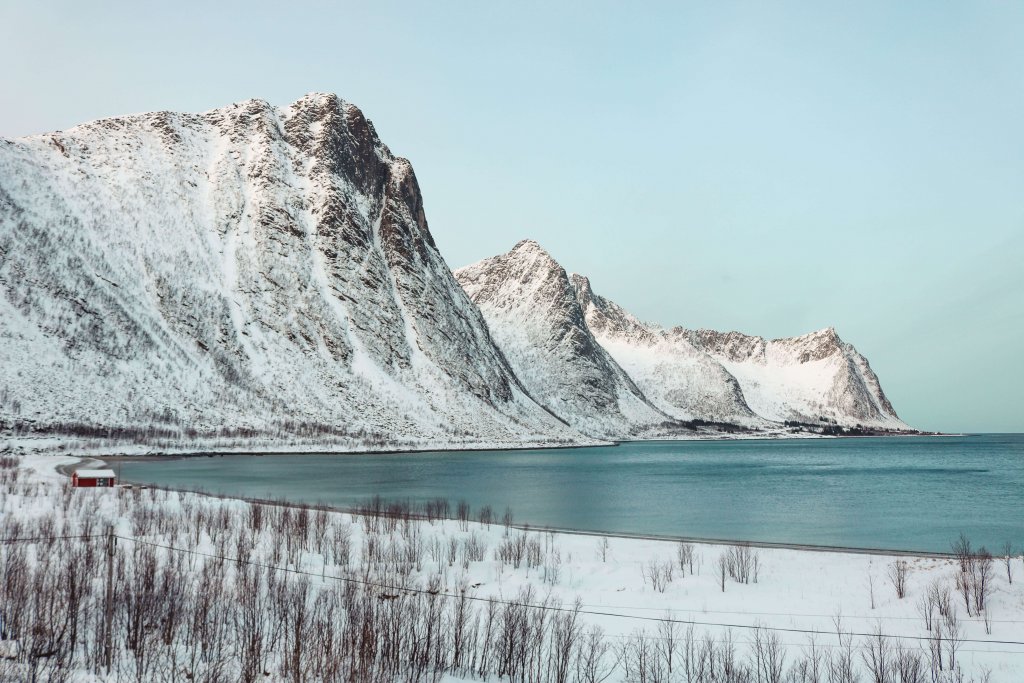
pixel 633 609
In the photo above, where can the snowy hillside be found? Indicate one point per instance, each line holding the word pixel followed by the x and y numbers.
pixel 263 278
pixel 809 378
pixel 687 375
pixel 678 378
pixel 535 317
pixel 248 273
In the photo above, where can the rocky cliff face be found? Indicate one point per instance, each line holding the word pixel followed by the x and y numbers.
pixel 249 271
pixel 678 378
pixel 811 378
pixel 257 276
pixel 684 374
pixel 536 318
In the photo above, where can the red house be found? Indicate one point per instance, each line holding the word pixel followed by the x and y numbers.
pixel 93 478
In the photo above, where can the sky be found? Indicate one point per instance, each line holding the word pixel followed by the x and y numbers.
pixel 772 168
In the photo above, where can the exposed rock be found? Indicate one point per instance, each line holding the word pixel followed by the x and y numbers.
pixel 243 270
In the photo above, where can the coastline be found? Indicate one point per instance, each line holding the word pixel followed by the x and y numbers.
pixel 57 445
pixel 668 538
pixel 801 590
pixel 126 457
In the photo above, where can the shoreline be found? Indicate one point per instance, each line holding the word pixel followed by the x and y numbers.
pixel 796 594
pixel 124 457
pixel 700 540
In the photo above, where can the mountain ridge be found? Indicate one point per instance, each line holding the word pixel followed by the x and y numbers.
pixel 815 379
pixel 259 277
pixel 235 271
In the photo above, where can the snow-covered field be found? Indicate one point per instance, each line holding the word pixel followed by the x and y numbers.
pixel 212 589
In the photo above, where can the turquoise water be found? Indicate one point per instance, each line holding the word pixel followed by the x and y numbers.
pixel 913 493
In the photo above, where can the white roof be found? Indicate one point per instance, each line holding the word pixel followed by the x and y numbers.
pixel 95 474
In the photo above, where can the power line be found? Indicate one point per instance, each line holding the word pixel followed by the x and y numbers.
pixel 553 608
pixel 636 617
pixel 38 539
pixel 789 614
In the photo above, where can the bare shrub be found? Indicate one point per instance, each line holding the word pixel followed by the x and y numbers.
pixel 486 516
pixel 740 562
pixel 462 512
pixel 982 575
pixel 961 548
pixel 1008 561
pixel 658 574
pixel 897 573
pixel 684 555
pixel 506 520
pixel 513 550
pixel 602 548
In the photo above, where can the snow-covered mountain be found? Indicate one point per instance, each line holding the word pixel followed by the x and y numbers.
pixel 528 301
pixel 811 378
pixel 680 379
pixel 264 277
pixel 535 316
pixel 249 272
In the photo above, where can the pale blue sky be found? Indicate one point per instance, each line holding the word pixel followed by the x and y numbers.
pixel 767 167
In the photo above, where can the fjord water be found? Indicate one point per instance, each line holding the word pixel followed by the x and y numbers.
pixel 910 493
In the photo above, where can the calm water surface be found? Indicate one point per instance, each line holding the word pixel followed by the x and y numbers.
pixel 914 493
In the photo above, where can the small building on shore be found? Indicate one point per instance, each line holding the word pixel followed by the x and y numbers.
pixel 90 478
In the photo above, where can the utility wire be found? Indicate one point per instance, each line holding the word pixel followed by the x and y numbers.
pixel 786 614
pixel 38 539
pixel 553 608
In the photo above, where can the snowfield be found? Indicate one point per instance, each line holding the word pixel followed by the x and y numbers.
pixel 215 589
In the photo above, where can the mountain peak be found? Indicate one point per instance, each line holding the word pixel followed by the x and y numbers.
pixel 530 248
pixel 281 273
pixel 825 333
pixel 583 289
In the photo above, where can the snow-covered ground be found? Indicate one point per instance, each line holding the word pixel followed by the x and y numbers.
pixel 384 594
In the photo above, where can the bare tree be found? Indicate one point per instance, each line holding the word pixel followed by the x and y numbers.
pixel 462 511
pixel 926 608
pixel 877 656
pixel 658 574
pixel 684 555
pixel 811 667
pixel 982 579
pixel 954 637
pixel 962 550
pixel 668 642
pixel 1008 561
pixel 908 665
pixel 486 515
pixel 596 660
pixel 602 548
pixel 769 656
pixel 898 571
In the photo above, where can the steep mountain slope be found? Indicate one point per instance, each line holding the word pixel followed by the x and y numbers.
pixel 531 307
pixel 675 376
pixel 250 272
pixel 529 302
pixel 810 378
